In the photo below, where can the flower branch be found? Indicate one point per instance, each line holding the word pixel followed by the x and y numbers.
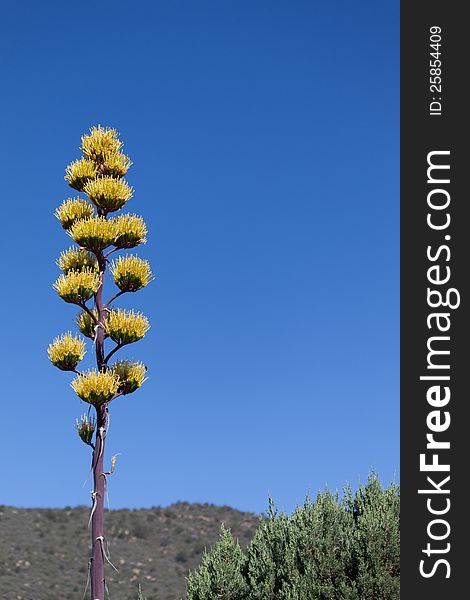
pixel 120 293
pixel 113 351
pixel 88 311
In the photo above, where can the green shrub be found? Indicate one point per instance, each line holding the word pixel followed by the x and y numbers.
pixel 220 574
pixel 330 549
pixel 377 540
pixel 323 544
pixel 270 566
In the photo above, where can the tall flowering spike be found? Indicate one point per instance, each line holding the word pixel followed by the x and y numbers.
pixel 131 273
pixel 94 234
pixel 130 231
pixel 96 387
pixel 126 327
pixel 72 210
pixel 131 375
pixel 76 287
pixel 76 259
pixel 99 172
pixel 108 194
pixel 86 428
pixel 87 325
pixel 79 172
pixel 100 142
pixel 66 351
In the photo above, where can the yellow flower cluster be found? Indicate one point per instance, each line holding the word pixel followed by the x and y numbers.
pixel 94 234
pixel 100 141
pixel 76 259
pixel 72 210
pixel 96 387
pixel 108 194
pixel 101 159
pixel 131 273
pixel 79 172
pixel 130 231
pixel 86 427
pixel 66 351
pixel 102 145
pixel 114 164
pixel 126 327
pixel 77 287
pixel 131 375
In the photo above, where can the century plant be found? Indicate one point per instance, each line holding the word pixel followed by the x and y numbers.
pixel 99 175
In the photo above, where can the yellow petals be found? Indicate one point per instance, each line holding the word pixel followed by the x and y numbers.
pixel 114 164
pixel 93 234
pixel 72 210
pixel 96 387
pixel 108 194
pixel 126 327
pixel 77 287
pixel 76 259
pixel 131 375
pixel 100 141
pixel 79 172
pixel 66 351
pixel 131 273
pixel 130 231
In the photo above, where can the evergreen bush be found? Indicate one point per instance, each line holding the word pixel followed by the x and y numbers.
pixel 220 574
pixel 334 548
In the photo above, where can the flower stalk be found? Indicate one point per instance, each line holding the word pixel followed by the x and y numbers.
pixel 98 174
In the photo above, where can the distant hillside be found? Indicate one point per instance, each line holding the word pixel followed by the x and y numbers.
pixel 44 552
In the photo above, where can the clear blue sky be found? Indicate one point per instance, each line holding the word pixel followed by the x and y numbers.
pixel 265 141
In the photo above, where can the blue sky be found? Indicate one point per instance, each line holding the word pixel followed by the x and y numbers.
pixel 265 141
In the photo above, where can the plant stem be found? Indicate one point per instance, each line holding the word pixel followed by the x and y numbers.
pixel 97 523
pixel 101 315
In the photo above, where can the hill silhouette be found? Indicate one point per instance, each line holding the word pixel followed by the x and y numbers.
pixel 44 552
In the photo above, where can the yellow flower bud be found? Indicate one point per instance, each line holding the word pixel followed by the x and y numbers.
pixel 86 427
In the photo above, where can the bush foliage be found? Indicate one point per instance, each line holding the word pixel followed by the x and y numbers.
pixel 331 549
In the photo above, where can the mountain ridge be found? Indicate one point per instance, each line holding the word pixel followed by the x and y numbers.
pixel 44 551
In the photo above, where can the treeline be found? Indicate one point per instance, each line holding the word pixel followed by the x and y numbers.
pixel 331 549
